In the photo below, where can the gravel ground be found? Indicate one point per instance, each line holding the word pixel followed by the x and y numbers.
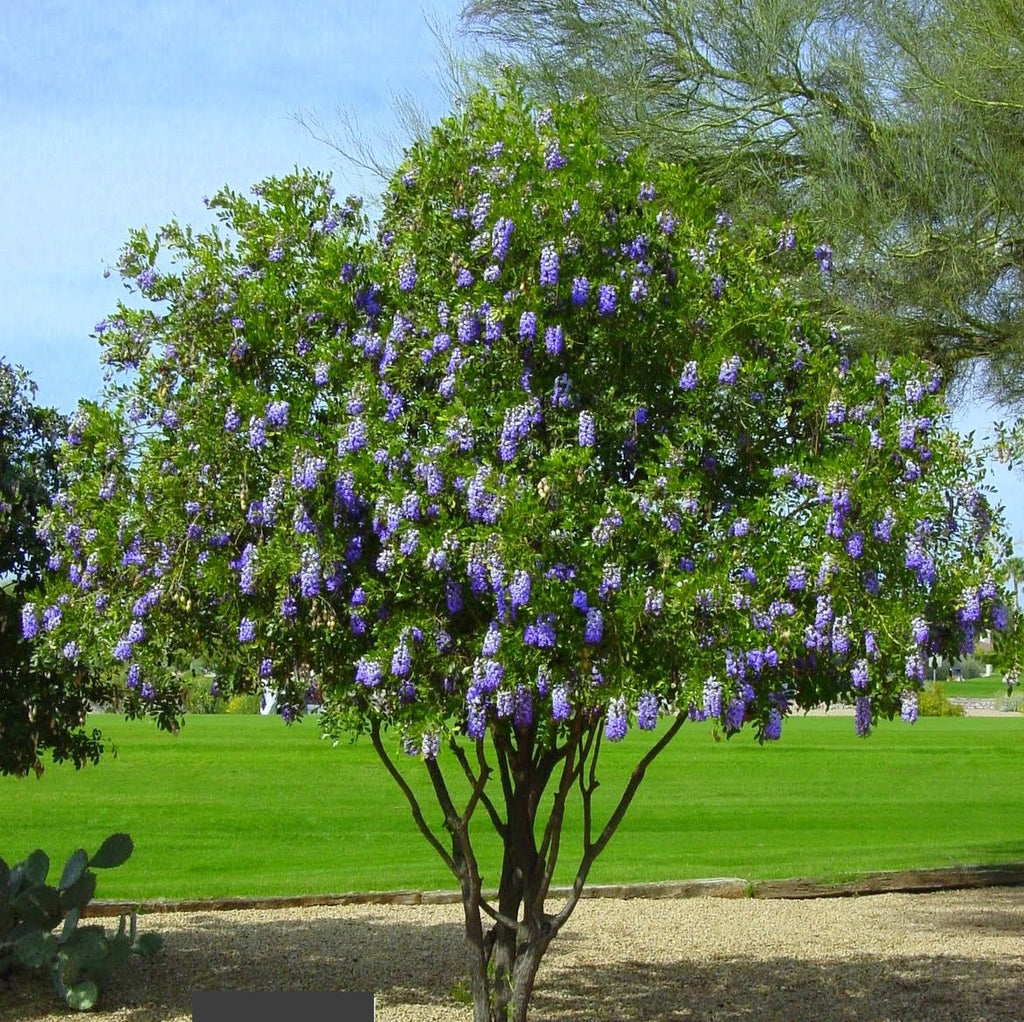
pixel 953 955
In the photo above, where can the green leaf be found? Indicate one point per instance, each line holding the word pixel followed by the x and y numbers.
pixel 70 922
pixel 83 996
pixel 148 944
pixel 86 949
pixel 35 949
pixel 73 869
pixel 35 868
pixel 79 894
pixel 39 906
pixel 115 851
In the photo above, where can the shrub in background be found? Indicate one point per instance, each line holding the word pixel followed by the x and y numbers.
pixel 933 702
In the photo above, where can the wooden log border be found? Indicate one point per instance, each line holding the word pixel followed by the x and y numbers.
pixel 914 881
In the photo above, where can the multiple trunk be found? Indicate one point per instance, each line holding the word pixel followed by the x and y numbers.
pixel 505 949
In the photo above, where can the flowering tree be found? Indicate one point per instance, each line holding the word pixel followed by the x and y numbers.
pixel 552 455
pixel 41 711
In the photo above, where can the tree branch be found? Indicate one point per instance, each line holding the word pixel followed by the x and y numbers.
pixel 414 805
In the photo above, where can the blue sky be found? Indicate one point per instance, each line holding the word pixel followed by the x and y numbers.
pixel 123 114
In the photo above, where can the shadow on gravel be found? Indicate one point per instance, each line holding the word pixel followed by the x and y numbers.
pixel 418 965
pixel 909 989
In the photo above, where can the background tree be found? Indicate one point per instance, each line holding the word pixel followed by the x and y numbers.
pixel 555 454
pixel 893 126
pixel 41 711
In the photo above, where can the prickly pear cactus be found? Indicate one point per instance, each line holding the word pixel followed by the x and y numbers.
pixel 79 959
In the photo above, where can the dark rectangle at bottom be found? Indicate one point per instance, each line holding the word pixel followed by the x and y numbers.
pixel 281 1006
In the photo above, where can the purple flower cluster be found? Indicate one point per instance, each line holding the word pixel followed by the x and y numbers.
pixel 729 372
pixel 586 431
pixel 607 297
pixel 647 711
pixel 616 722
pixel 688 379
pixel 501 236
pixel 548 266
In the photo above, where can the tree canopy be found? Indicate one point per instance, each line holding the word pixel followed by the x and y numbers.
pixel 41 711
pixel 893 126
pixel 552 454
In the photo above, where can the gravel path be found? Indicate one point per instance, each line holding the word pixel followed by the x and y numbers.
pixel 952 955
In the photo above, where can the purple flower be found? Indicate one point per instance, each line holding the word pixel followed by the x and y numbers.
pixel 859 675
pixel 401 660
pixel 309 574
pixel 277 414
pixel 257 432
pixel 561 708
pixel 773 726
pixel 29 622
pixel 688 379
pixel 586 430
pixel 796 578
pixel 527 325
pixel 647 711
pixel 580 291
pixel 593 629
pixel 606 299
pixel 835 414
pixel 476 720
pixel 289 608
pixel 862 715
pixel 654 601
pixel 740 527
pixel 548 266
pixel 519 589
pixel 541 633
pixel 501 235
pixel 908 707
pixel 729 372
pixel 855 545
pixel 246 630
pixel 553 340
pixel 553 158
pixel 51 618
pixel 616 723
pixel 453 595
pixel 368 672
pixel 481 211
pixel 712 697
pixel 492 640
pixel 407 275
pixel 463 278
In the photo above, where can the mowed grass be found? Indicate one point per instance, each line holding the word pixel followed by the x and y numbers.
pixel 975 688
pixel 243 806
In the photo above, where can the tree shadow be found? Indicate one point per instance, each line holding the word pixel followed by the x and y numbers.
pixel 403 962
pixel 919 988
pixel 420 965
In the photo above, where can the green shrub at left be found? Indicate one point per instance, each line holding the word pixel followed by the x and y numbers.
pixel 79 959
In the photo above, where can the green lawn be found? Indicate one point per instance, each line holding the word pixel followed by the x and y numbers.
pixel 239 806
pixel 976 688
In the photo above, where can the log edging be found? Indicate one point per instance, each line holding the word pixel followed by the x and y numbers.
pixel 914 881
